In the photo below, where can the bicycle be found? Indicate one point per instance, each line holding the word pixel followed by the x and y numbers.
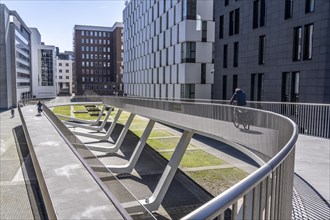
pixel 240 117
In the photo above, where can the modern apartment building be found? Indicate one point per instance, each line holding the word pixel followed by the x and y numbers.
pixel 43 67
pixel 274 50
pixel 15 59
pixel 168 47
pixel 98 56
pixel 64 70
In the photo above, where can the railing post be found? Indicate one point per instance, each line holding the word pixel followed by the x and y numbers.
pixel 127 168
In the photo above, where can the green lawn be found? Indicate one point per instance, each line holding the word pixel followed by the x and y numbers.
pixel 62 110
pixel 79 108
pixel 153 134
pixel 196 158
pixel 218 180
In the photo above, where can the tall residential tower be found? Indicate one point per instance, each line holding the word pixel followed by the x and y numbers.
pixel 168 48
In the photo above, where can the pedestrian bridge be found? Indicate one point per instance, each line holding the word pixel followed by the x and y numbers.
pixel 265 193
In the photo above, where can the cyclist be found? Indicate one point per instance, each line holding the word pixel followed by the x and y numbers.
pixel 239 96
pixel 240 115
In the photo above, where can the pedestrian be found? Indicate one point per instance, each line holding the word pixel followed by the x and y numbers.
pixel 12 112
pixel 39 107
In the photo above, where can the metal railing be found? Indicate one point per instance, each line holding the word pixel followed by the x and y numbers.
pixel 266 193
pixel 311 119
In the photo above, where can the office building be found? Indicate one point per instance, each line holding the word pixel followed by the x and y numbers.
pixel 43 67
pixel 64 77
pixel 168 48
pixel 15 59
pixel 274 50
pixel 98 56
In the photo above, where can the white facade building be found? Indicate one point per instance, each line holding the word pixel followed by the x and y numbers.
pixel 64 69
pixel 43 67
pixel 168 48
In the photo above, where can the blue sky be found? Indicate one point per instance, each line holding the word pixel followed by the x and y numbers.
pixel 55 19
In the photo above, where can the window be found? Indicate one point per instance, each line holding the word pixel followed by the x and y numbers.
pixel 308 41
pixel 188 91
pixel 261 59
pixel 82 48
pixel 235 82
pixel 92 41
pixel 60 64
pixel 262 13
pixel 221 21
pixel 67 71
pixel 231 23
pixel 226 2
pixel 66 64
pixel 297 43
pixel 290 87
pixel 189 9
pixel 82 40
pixel 188 52
pixel 259 13
pixel 256 87
pixel 310 6
pixel 87 41
pixel 235 63
pixel 225 56
pixel 288 9
pixel 82 56
pixel 236 30
pixel 255 13
pixel 60 71
pixel 82 33
pixel 60 77
pixel 66 77
pixel 204 31
pixel 83 63
pixel 203 73
pixel 224 87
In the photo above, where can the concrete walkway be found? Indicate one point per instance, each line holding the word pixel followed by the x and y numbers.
pixel 14 199
pixel 312 163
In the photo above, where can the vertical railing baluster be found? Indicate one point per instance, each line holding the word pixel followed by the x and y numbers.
pixel 261 199
pixel 267 199
pixel 234 211
pixel 245 206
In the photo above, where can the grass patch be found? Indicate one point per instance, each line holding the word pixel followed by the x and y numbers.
pixel 196 158
pixel 218 180
pixel 165 143
pixel 153 134
pixel 79 108
pixel 62 110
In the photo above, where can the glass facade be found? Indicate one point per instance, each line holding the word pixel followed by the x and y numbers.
pixel 45 77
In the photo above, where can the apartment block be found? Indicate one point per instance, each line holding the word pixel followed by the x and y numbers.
pixel 43 67
pixel 98 56
pixel 64 74
pixel 274 50
pixel 15 59
pixel 168 48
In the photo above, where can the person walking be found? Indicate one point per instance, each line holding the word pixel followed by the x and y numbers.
pixel 12 112
pixel 39 107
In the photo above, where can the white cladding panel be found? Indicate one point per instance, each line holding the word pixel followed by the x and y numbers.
pixel 203 54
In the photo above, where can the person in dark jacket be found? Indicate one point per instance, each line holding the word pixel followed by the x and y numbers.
pixel 239 96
